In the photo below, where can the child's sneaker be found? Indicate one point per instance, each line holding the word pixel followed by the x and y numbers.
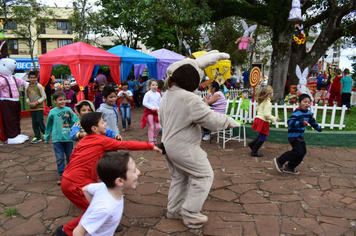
pixel 155 141
pixel 290 171
pixel 36 140
pixel 60 232
pixel 278 165
pixel 206 137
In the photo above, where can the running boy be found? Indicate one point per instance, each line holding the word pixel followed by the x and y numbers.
pixel 126 98
pixel 118 172
pixel 109 108
pixel 297 124
pixel 77 132
pixel 35 96
pixel 60 120
pixel 81 170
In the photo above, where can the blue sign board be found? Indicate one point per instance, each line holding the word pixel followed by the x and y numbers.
pixel 25 63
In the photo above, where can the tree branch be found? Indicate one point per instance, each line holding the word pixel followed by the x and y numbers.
pixel 247 10
pixel 319 18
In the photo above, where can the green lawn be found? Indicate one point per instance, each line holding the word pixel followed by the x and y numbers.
pixel 27 106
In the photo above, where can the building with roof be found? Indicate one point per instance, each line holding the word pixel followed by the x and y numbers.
pixel 52 37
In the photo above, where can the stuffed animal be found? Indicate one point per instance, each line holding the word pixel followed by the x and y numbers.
pixel 295 13
pixel 244 40
pixel 302 86
pixel 182 114
pixel 9 102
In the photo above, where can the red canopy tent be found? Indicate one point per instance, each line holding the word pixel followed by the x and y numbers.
pixel 81 58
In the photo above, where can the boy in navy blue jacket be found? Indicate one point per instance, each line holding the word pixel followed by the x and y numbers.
pixel 297 124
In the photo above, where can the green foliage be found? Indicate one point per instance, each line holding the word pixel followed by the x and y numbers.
pixel 224 34
pixel 11 211
pixel 59 70
pixel 83 20
pixel 30 17
pixel 156 23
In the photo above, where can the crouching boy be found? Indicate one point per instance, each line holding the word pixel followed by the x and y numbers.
pixel 118 172
pixel 81 170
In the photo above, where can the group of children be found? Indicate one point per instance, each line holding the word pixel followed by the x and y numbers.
pixel 297 124
pixel 341 89
pixel 97 133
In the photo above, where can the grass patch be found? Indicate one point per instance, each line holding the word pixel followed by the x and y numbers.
pixel 11 211
pixel 27 107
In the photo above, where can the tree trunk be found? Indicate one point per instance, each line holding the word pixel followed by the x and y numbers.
pixel 279 63
pixel 180 40
pixel 298 55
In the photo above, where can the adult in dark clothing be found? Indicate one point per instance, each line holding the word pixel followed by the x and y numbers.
pixel 49 90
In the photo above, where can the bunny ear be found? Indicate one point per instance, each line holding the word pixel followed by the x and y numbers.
pixel 252 28
pixel 211 58
pixel 305 73
pixel 244 25
pixel 298 72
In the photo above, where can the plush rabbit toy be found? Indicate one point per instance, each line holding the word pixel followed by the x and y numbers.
pixel 9 102
pixel 295 13
pixel 245 38
pixel 301 87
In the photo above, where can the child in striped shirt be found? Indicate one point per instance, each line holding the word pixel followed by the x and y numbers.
pixel 297 124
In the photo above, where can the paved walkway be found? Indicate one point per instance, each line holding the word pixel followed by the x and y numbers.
pixel 248 196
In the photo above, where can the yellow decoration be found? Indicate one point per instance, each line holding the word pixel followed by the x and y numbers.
pixel 219 72
pixel 81 88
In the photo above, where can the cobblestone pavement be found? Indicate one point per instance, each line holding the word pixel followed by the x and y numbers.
pixel 248 196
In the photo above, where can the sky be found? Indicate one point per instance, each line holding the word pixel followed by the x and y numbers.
pixel 344 61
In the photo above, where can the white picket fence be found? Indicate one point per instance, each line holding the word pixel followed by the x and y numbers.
pixel 324 111
pixel 235 92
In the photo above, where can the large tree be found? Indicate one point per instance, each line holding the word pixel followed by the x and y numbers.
pixel 157 23
pixel 31 18
pixel 83 19
pixel 333 18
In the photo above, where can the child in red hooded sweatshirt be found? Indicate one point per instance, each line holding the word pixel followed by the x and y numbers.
pixel 81 170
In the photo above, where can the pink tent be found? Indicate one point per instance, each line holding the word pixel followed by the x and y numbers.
pixel 81 58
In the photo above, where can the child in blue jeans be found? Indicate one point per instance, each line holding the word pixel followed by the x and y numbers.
pixel 126 98
pixel 59 122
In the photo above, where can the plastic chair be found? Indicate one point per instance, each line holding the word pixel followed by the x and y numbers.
pixel 228 134
pixel 317 95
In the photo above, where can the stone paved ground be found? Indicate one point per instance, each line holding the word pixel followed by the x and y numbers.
pixel 248 196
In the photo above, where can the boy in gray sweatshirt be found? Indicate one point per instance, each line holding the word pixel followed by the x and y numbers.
pixel 109 108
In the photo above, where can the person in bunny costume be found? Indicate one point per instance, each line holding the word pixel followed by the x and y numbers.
pixel 302 86
pixel 182 114
pixel 9 101
pixel 244 40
